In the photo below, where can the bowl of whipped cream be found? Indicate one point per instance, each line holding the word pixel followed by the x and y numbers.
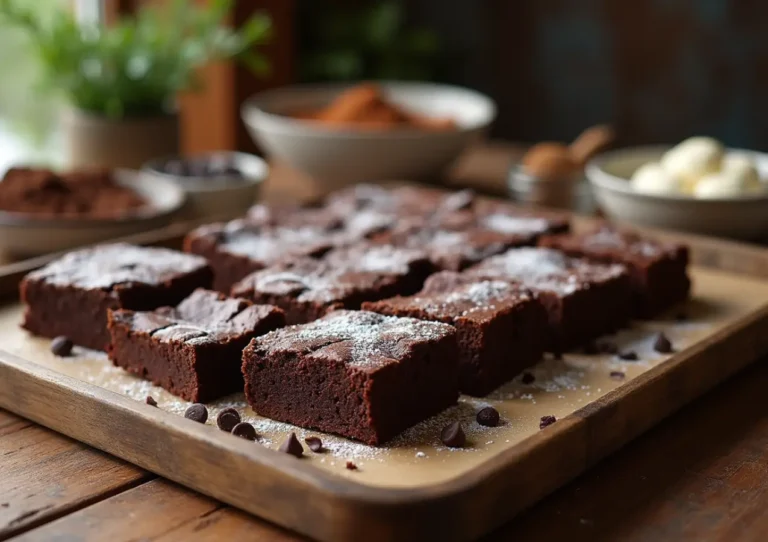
pixel 698 186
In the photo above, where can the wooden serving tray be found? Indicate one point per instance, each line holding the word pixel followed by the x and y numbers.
pixel 414 488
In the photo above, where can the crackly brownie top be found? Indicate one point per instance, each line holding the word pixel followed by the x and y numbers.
pixel 546 269
pixel 336 275
pixel 293 216
pixel 452 295
pixel 608 242
pixel 359 339
pixel 264 243
pixel 106 266
pixel 203 317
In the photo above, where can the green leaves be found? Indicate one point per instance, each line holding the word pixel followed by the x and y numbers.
pixel 137 66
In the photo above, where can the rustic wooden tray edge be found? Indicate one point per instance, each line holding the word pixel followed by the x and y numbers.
pixel 327 507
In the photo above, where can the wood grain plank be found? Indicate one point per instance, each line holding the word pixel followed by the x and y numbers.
pixel 44 475
pixel 10 423
pixel 145 512
pixel 230 524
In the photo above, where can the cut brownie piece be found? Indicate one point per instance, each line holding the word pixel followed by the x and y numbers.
pixel 193 350
pixel 502 326
pixel 71 295
pixel 354 373
pixel 584 299
pixel 308 288
pixel 240 247
pixel 657 270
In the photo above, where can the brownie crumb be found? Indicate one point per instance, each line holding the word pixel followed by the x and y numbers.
pixel 629 355
pixel 453 435
pixel 607 347
pixel 315 444
pixel 4 505
pixel 197 413
pixel 528 378
pixel 488 416
pixel 662 344
pixel 546 421
pixel 245 430
pixel 228 419
pixel 62 346
pixel 351 466
pixel 591 348
pixel 617 375
pixel 151 401
pixel 292 446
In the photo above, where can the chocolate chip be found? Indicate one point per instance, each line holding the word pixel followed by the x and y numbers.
pixel 197 413
pixel 629 355
pixel 453 435
pixel 228 419
pixel 5 505
pixel 151 401
pixel 662 344
pixel 488 417
pixel 617 375
pixel 315 444
pixel 292 446
pixel 607 347
pixel 61 346
pixel 528 378
pixel 245 430
pixel 351 466
pixel 591 348
pixel 546 421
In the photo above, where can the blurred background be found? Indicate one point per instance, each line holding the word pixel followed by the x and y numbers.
pixel 658 70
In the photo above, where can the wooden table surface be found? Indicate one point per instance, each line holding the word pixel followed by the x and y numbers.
pixel 701 475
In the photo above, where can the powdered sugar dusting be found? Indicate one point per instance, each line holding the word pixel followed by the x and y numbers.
pixel 606 238
pixel 504 223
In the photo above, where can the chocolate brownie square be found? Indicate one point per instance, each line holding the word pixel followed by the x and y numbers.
pixel 240 247
pixel 71 295
pixel 358 374
pixel 307 288
pixel 502 326
pixel 658 270
pixel 583 299
pixel 193 350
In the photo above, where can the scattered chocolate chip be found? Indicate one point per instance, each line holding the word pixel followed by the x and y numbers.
pixel 244 430
pixel 453 435
pixel 681 317
pixel 61 346
pixel 528 378
pixel 351 466
pixel 292 446
pixel 591 348
pixel 197 413
pixel 315 444
pixel 662 344
pixel 151 401
pixel 488 417
pixel 607 347
pixel 629 355
pixel 617 375
pixel 228 419
pixel 5 505
pixel 546 421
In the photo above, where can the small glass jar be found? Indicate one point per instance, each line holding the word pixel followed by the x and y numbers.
pixel 573 194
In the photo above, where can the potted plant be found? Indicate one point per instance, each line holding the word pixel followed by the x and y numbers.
pixel 121 80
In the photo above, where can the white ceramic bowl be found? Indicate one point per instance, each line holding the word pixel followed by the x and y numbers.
pixel 22 235
pixel 336 156
pixel 744 217
pixel 216 195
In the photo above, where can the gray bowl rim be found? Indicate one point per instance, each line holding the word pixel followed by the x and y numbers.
pixel 601 179
pixel 152 167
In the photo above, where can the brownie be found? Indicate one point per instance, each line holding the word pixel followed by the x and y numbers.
pixel 583 299
pixel 77 194
pixel 293 216
pixel 240 247
pixel 658 270
pixel 307 288
pixel 501 326
pixel 358 374
pixel 193 350
pixel 71 295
